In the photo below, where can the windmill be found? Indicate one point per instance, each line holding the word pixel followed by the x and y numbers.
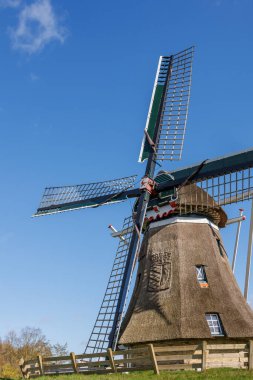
pixel 174 211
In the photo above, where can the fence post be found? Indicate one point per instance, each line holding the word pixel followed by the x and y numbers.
pixel 21 366
pixel 73 360
pixel 110 356
pixel 251 354
pixel 204 354
pixel 40 362
pixel 153 359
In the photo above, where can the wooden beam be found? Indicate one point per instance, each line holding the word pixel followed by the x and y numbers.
pixel 226 346
pixel 21 366
pixel 55 358
pixel 153 359
pixel 88 356
pixel 110 357
pixel 73 361
pixel 204 354
pixel 139 350
pixel 40 362
pixel 186 347
pixel 251 354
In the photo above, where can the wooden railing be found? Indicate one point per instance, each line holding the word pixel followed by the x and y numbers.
pixel 200 356
pixel 205 355
pixel 135 359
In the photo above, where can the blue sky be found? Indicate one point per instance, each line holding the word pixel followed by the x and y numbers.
pixel 76 79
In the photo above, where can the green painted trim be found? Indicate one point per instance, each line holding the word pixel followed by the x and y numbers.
pixel 81 204
pixel 211 169
pixel 152 121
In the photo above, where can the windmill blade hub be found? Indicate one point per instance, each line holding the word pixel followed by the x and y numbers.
pixel 148 184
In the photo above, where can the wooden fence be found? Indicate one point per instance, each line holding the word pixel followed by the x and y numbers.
pixel 205 355
pixel 135 359
pixel 199 356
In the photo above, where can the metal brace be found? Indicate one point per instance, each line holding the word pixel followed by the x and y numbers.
pixel 116 233
pixel 150 141
pixel 137 230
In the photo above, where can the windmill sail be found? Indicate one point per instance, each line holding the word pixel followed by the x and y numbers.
pixel 68 198
pixel 229 188
pixel 174 94
pixel 101 333
pixel 227 179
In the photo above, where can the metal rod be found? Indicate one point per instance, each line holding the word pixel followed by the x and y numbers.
pixel 116 233
pixel 235 220
pixel 247 275
pixel 237 240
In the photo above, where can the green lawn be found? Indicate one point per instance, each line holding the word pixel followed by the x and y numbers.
pixel 223 373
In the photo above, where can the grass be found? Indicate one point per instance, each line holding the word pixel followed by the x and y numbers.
pixel 221 374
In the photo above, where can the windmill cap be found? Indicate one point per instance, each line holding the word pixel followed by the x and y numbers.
pixel 195 200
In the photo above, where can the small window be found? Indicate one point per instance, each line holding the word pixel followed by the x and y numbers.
pixel 214 324
pixel 201 276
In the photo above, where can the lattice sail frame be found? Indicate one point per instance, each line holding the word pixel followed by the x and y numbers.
pixel 175 98
pixel 229 188
pixel 68 198
pixel 225 189
pixel 225 180
pixel 99 338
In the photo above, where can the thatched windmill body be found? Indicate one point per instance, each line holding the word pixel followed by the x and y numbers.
pixel 184 288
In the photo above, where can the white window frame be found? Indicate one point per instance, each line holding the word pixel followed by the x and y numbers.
pixel 214 323
pixel 201 274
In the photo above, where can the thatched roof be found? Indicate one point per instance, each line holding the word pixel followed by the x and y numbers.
pixel 168 302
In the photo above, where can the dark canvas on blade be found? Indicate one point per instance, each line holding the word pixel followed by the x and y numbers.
pixel 174 106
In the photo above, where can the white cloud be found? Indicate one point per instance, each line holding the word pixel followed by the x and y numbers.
pixel 10 3
pixel 38 25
